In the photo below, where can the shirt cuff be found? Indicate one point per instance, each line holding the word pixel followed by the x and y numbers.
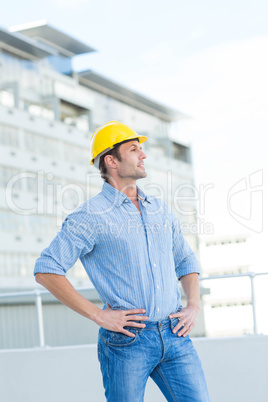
pixel 44 266
pixel 188 266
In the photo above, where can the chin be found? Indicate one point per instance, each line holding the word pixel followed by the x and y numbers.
pixel 143 175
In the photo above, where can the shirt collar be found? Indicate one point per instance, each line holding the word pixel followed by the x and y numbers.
pixel 117 197
pixel 142 196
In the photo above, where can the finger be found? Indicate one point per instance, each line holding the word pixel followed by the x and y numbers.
pixel 124 331
pixel 134 324
pixel 137 317
pixel 180 314
pixel 187 332
pixel 136 311
pixel 184 331
pixel 178 327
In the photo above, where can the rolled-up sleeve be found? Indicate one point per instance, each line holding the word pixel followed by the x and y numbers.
pixel 74 240
pixel 185 259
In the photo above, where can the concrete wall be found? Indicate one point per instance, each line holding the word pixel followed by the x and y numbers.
pixel 236 370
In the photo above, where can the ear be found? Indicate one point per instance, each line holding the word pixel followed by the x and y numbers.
pixel 110 161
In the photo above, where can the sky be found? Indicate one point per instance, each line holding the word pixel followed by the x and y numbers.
pixel 207 59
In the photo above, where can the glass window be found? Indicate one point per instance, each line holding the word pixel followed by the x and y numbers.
pixel 181 152
pixel 36 143
pixel 12 222
pixel 9 136
pixel 6 174
pixel 76 154
pixel 17 264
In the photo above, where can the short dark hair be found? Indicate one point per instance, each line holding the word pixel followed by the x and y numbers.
pixel 102 165
pixel 116 154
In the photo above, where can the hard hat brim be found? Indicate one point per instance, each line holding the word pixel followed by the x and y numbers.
pixel 141 138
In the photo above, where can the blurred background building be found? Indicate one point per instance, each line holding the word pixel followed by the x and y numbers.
pixel 47 115
pixel 229 301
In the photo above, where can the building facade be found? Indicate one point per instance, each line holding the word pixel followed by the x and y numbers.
pixel 47 114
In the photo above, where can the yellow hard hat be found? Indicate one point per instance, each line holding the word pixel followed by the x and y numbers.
pixel 107 136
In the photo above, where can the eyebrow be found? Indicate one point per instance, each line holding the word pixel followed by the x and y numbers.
pixel 136 146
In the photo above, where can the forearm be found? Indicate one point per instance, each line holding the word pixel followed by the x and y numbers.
pixel 114 320
pixel 63 290
pixel 190 285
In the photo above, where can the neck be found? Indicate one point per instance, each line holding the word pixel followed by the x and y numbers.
pixel 129 188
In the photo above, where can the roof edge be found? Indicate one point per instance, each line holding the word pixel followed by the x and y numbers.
pixel 126 95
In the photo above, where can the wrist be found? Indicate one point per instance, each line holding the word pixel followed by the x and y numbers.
pixel 194 304
pixel 95 314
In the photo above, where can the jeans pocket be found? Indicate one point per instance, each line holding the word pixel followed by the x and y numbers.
pixel 119 339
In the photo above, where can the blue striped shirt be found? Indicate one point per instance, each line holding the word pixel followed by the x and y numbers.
pixel 131 258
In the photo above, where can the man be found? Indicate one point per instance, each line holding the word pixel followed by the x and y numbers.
pixel 132 248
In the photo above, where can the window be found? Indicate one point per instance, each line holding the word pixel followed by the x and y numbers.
pixel 6 174
pixel 11 222
pixel 75 154
pixel 74 115
pixel 17 264
pixel 41 145
pixel 9 136
pixel 181 152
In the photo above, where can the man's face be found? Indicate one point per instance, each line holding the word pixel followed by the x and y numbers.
pixel 132 163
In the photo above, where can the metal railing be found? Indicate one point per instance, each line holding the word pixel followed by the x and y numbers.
pixel 252 276
pixel 39 307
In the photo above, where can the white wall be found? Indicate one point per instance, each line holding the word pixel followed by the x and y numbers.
pixel 236 370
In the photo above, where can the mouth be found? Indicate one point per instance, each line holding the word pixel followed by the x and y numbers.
pixel 141 165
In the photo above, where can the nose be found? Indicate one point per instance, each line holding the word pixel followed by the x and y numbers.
pixel 142 155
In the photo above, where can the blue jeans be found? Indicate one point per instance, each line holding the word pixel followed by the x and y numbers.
pixel 171 361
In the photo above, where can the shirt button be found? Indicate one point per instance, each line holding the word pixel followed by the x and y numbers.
pixel 154 265
pixel 158 309
pixel 149 242
pixel 157 286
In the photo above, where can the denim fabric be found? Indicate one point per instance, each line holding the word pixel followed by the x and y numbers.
pixel 171 361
